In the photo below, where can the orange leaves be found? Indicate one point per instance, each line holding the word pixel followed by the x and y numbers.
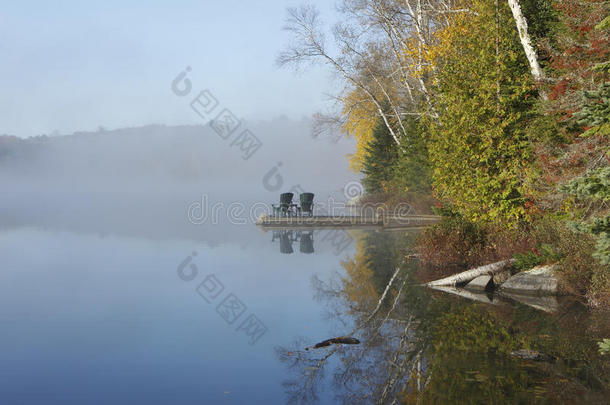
pixel 558 89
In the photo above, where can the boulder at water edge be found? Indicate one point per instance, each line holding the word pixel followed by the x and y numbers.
pixel 540 280
pixel 480 283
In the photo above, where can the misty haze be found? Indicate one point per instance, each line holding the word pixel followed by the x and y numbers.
pixel 287 202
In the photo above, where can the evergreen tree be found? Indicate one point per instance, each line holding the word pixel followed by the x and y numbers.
pixel 381 156
pixel 392 170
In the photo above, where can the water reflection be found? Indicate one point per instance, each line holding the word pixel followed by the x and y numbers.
pixel 287 237
pixel 119 300
pixel 306 242
pixel 423 346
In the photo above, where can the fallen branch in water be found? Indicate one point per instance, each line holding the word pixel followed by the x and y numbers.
pixel 346 340
pixel 468 275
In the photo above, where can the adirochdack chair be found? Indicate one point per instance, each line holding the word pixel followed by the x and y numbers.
pixel 306 204
pixel 285 205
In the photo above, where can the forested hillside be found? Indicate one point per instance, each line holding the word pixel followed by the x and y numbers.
pixel 499 110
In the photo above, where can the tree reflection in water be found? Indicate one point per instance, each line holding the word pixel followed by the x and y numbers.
pixel 419 346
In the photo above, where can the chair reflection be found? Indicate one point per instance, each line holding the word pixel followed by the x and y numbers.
pixel 306 242
pixel 288 237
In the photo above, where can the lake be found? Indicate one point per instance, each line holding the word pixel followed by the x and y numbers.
pixel 132 272
pixel 109 311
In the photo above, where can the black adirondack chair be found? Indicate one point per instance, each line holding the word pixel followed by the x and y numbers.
pixel 306 204
pixel 285 206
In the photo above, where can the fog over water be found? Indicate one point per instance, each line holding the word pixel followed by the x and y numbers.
pixel 141 181
pixel 94 234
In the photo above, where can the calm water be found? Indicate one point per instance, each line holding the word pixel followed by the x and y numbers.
pixel 121 313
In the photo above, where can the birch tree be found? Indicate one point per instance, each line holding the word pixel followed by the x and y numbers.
pixel 351 64
pixel 381 48
pixel 526 41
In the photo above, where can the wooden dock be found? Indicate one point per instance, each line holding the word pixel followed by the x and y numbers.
pixel 351 222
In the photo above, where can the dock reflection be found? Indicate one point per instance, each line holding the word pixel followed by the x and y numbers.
pixel 287 237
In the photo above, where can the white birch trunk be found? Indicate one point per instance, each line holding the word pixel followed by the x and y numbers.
pixel 468 275
pixel 465 294
pixel 526 42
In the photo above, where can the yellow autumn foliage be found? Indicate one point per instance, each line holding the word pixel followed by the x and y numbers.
pixel 358 284
pixel 361 118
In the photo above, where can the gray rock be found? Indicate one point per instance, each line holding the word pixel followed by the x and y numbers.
pixel 540 280
pixel 480 283
pixel 533 355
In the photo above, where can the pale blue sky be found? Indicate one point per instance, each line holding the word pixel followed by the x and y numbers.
pixel 74 65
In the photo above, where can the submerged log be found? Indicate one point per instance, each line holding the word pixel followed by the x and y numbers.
pixel 338 340
pixel 468 275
